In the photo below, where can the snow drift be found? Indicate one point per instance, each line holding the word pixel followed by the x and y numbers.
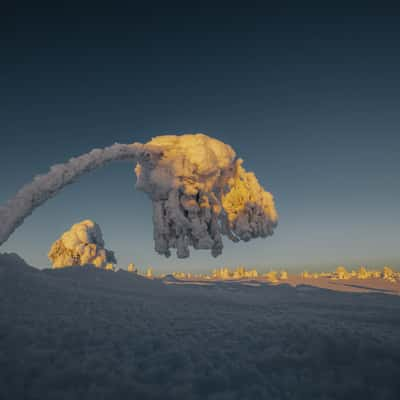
pixel 82 244
pixel 198 187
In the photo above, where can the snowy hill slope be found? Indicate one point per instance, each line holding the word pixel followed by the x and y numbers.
pixel 86 333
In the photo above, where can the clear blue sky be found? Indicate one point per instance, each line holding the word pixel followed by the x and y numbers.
pixel 310 103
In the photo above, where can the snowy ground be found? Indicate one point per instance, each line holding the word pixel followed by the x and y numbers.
pixel 81 333
pixel 354 285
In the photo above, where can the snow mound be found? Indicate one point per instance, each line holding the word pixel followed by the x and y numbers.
pixel 81 245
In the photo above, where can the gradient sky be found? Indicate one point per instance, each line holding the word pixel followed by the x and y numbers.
pixel 310 103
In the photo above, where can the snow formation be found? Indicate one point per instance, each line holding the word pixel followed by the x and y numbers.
pixel 199 190
pixel 81 245
pixel 44 187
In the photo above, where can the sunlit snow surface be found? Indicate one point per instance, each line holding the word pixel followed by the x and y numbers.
pixel 82 244
pixel 200 191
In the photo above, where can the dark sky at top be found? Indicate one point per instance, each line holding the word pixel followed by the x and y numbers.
pixel 310 103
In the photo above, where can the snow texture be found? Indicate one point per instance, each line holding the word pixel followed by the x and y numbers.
pixel 43 187
pixel 81 245
pixel 93 334
pixel 199 189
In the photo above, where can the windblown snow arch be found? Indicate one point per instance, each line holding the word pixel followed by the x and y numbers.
pixel 197 185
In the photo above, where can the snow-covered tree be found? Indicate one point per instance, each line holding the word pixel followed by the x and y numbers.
pixel 82 244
